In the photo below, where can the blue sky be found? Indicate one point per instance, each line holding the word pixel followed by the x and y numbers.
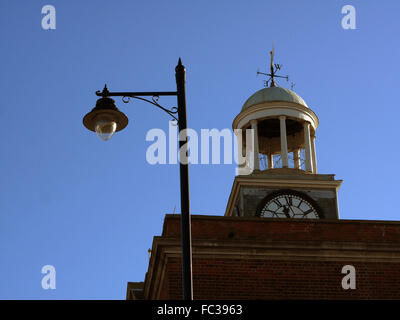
pixel 91 208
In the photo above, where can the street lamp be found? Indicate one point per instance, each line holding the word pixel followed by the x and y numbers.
pixel 105 119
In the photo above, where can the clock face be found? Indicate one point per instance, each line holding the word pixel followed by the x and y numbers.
pixel 289 205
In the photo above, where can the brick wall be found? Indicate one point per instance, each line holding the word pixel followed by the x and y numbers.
pixel 253 258
pixel 260 279
pixel 216 227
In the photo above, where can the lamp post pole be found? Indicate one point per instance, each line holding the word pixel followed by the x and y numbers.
pixel 184 177
pixel 105 119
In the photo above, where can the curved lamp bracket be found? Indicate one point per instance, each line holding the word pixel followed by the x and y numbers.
pixel 154 101
pixel 155 96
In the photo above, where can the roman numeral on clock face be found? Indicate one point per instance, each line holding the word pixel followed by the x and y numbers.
pixel 288 200
pixel 277 203
pixel 308 211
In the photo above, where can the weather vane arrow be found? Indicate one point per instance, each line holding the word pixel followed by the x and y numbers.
pixel 273 69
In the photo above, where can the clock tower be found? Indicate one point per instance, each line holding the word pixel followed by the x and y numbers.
pixel 277 174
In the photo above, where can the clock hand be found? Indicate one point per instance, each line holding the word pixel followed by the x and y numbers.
pixel 290 207
pixel 286 211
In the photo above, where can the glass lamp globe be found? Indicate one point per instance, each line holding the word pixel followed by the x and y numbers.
pixel 105 119
pixel 105 129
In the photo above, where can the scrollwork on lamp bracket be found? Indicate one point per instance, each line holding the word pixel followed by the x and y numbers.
pixel 154 101
pixel 155 96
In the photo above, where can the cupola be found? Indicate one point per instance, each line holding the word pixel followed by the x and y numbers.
pixel 283 131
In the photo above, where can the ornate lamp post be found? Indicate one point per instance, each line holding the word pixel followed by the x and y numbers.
pixel 106 119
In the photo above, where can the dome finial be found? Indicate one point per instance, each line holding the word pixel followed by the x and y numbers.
pixel 273 69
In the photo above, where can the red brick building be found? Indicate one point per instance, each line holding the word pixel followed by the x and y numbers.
pixel 249 258
pixel 281 236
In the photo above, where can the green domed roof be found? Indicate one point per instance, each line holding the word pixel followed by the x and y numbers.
pixel 273 94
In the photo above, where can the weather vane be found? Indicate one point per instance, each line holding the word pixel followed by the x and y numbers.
pixel 273 69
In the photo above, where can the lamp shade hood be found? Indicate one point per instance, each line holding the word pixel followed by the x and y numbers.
pixel 105 110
